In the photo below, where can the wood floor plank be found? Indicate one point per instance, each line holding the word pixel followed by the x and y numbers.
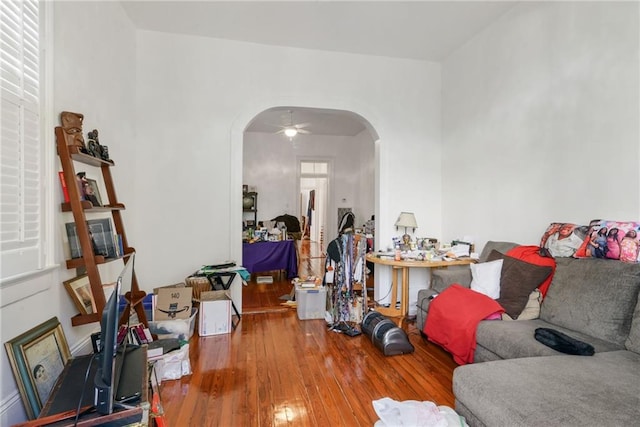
pixel 276 370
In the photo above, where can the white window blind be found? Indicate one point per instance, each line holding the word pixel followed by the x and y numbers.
pixel 21 158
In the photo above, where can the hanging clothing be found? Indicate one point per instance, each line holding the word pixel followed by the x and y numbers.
pixel 345 262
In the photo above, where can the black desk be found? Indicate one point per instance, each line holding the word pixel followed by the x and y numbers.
pixel 71 387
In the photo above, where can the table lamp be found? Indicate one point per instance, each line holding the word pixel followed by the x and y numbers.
pixel 406 220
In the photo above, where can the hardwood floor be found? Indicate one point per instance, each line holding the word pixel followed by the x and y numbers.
pixel 277 370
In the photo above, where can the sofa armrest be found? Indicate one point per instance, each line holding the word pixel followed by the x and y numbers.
pixel 425 296
pixel 444 277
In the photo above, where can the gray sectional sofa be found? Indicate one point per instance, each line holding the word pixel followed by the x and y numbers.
pixel 517 381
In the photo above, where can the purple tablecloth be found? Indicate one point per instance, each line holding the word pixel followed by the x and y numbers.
pixel 269 256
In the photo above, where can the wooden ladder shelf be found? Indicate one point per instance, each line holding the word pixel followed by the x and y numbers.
pixel 89 261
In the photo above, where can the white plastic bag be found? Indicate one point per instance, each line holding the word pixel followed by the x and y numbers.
pixel 415 414
pixel 174 365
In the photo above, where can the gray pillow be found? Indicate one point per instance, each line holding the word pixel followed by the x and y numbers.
pixel 517 280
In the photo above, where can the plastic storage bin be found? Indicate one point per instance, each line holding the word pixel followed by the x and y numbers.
pixel 181 329
pixel 311 302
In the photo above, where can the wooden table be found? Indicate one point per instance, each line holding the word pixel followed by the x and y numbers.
pixel 402 267
pixel 270 256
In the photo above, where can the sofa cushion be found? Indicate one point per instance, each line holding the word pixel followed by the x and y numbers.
pixel 511 340
pixel 601 390
pixel 593 296
pixel 531 254
pixel 633 341
pixel 502 247
pixel 562 239
pixel 517 280
pixel 486 278
pixel 531 310
pixel 611 239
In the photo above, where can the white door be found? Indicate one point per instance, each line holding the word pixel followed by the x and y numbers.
pixel 314 184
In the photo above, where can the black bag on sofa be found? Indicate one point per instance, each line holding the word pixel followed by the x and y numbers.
pixel 563 343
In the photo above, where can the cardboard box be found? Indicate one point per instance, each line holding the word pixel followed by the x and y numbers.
pixel 215 313
pixel 311 302
pixel 181 329
pixel 173 303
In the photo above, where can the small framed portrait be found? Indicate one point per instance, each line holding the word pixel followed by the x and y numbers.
pixel 37 359
pixel 245 188
pixel 91 192
pixel 79 290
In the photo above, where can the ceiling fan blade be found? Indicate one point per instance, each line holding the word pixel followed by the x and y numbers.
pixel 274 125
pixel 303 131
pixel 301 125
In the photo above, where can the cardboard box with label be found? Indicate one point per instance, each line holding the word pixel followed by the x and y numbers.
pixel 172 302
pixel 215 313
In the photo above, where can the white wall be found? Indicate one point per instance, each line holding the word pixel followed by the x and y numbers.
pixel 533 110
pixel 541 122
pixel 270 163
pixel 94 67
pixel 196 96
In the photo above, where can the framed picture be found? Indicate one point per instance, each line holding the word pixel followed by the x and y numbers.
pixel 37 359
pixel 245 189
pixel 79 290
pixel 102 236
pixel 91 192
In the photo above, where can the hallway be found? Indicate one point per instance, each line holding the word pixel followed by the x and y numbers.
pixel 265 297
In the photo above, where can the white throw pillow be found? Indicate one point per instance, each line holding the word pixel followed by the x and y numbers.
pixel 486 278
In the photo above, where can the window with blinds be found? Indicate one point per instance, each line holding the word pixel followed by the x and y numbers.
pixel 21 158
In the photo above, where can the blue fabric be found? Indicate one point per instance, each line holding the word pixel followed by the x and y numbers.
pixel 270 256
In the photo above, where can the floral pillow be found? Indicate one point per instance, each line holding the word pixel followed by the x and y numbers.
pixel 613 240
pixel 562 239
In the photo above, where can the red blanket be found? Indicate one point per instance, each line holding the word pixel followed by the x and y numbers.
pixel 453 318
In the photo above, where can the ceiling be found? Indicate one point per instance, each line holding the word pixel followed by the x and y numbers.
pixel 318 121
pixel 419 30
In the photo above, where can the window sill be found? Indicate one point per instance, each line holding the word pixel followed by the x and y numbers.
pixel 13 289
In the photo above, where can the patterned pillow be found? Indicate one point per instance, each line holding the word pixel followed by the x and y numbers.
pixel 613 240
pixel 562 239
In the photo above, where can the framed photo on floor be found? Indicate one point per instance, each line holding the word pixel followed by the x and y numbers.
pixel 37 358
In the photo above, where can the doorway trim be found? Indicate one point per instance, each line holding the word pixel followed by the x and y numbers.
pixel 236 147
pixel 328 205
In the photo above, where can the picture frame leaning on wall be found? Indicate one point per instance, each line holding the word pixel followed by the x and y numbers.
pixel 37 359
pixel 79 289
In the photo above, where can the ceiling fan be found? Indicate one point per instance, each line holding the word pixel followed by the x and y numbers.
pixel 292 129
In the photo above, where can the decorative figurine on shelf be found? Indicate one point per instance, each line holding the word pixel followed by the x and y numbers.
pixel 105 152
pixel 406 242
pixel 72 126
pixel 94 147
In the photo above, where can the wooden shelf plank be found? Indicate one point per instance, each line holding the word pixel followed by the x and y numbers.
pixel 83 319
pixel 87 206
pixel 87 159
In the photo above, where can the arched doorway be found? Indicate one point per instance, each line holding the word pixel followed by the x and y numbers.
pixel 236 148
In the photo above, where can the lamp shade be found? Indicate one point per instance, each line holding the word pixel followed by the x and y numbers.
pixel 407 220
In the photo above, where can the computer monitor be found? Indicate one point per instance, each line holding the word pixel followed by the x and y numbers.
pixel 106 376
